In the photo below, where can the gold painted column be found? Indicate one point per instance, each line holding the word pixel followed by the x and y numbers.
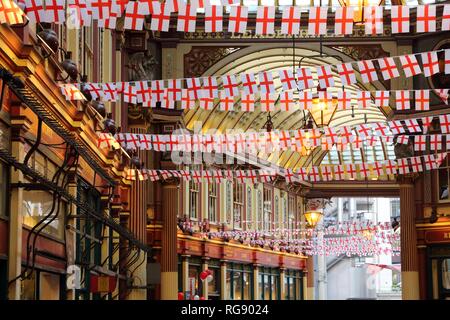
pixel 256 293
pixel 223 280
pixel 184 273
pixel 205 283
pixel 282 286
pixel 408 239
pixel 169 257
pixel 309 294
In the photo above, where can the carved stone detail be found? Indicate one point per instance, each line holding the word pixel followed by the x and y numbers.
pixel 200 59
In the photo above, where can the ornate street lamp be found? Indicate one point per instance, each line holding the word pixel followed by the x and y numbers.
pixel 314 209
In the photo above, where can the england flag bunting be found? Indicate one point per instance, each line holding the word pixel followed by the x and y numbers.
pixel 287 101
pixel 194 88
pixel 430 63
pixel 325 76
pixel 373 20
pixel 396 127
pixel 186 101
pixel 265 20
pixel 145 141
pixel 54 11
pixel 442 94
pixel 344 99
pixel 426 122
pixel 400 19
pixel 430 162
pixel 317 20
pixel 135 13
pixel 420 143
pixel 249 85
pixel 174 89
pixel 248 103
pixel 100 9
pixel 339 172
pixel 436 142
pixel 226 101
pixel 367 71
pixel 287 79
pixel 350 170
pixel 187 17
pixel 237 20
pixel 422 100
pixel 304 78
pixel 305 100
pixel 346 73
pixel 267 102
pixel 157 87
pixel 213 18
pixel 412 125
pixel 446 18
pixel 445 123
pixel 207 103
pixel 266 84
pixel 314 174
pixel 416 164
pixel 388 68
pixel 290 20
pixel 390 167
pixel 230 85
pixel 410 65
pixel 426 18
pixel 327 174
pixel 382 98
pixel 364 130
pixel 364 99
pixel 402 100
pixel 266 176
pixel 34 10
pixel 160 16
pixel 343 22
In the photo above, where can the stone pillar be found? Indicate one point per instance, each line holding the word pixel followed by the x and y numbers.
pixel 408 239
pixel 169 258
pixel 256 293
pixel 282 286
pixel 223 280
pixel 309 293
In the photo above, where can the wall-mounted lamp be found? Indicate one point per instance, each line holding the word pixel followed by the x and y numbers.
pixel 434 216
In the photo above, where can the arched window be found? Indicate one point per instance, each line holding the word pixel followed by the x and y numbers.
pixel 213 208
pixel 277 213
pixel 228 203
pixel 249 209
pixel 260 211
pixel 267 198
pixel 238 204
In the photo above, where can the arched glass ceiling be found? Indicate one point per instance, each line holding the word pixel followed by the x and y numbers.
pixel 251 60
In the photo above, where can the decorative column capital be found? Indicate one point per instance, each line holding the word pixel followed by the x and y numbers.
pixel 407 178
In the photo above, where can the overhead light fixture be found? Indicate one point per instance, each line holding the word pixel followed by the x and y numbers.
pixel 359 6
pixel 313 217
pixel 322 111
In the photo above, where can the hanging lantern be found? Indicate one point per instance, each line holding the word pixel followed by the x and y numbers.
pixel 322 111
pixel 358 6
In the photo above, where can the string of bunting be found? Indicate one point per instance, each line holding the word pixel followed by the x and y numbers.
pixel 80 13
pixel 225 89
pixel 295 140
pixel 349 171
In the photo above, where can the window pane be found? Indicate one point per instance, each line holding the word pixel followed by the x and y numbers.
pixel 237 280
pixel 446 274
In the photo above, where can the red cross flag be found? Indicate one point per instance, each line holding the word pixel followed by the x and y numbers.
pixel 436 142
pixel 420 143
pixel 266 82
pixel 325 76
pixel 157 87
pixel 95 89
pixel 416 164
pixel 372 141
pixel 346 135
pixel 130 174
pixel 426 122
pixel 229 2
pixel 197 176
pixel 396 127
pixel 287 101
pixel 390 166
pixel 445 123
pixel 380 129
pixel 200 3
pixel 217 176
pixel 410 65
pixel 135 13
pixel 373 20
pixel 412 125
pixel 440 157
pixel 327 173
pixel 331 134
pixel 339 172
pixel 187 17
pixel 367 71
pixel 120 7
pixel 378 169
pixel 285 140
pixel 174 89
pixel 446 18
pixel 304 78
pixel 210 87
pixel 109 92
pixel 388 68
pixel 364 99
pixel 230 142
pixel 350 170
pixel 237 20
pixel 226 101
pixel 186 101
pixel 266 175
pixel 382 98
pixel 143 92
pixel 346 73
pixel 426 18
pixel 317 21
pixel 447 61
pixel 314 174
pixel 402 100
pixel 287 79
pixel 430 63
pixel 185 174
pixel 34 10
pixel 343 21
pixel 194 88
pixel 400 19
pixel 247 103
pixel 265 20
pixel 213 18
pixel 302 174
pixel 290 20
pixel 159 142
pixel 105 140
pixel 160 16
pixel 251 176
pixel 305 100
pixel 364 130
pixel 120 138
pixel 72 92
pixel 422 99
pixel 166 102
pixel 207 103
pixel 100 8
pixel 430 162
pixel 132 140
pixel 240 176
pixel 145 141
pixel 344 100
pixel 207 175
pixel 230 85
pixel 249 85
pixel 357 143
pixel 54 11
pixel 364 169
